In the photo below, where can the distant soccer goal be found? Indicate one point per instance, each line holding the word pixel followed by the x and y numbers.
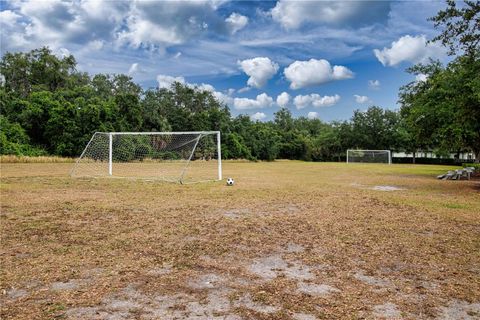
pixel 183 157
pixel 369 156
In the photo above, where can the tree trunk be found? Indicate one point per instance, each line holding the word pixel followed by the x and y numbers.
pixel 477 156
pixel 413 158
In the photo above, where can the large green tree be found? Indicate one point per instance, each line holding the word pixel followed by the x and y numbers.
pixel 443 112
pixel 294 143
pixel 460 27
pixel 36 70
pixel 374 129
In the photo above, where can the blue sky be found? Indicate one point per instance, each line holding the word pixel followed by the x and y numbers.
pixel 318 58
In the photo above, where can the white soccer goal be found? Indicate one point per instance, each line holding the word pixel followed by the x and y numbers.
pixel 183 157
pixel 369 156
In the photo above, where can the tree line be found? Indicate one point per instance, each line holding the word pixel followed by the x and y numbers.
pixel 48 107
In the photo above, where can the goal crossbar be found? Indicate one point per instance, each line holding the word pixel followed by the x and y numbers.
pixel 161 133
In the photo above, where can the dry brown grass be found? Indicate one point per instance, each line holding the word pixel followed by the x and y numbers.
pixel 289 240
pixel 39 159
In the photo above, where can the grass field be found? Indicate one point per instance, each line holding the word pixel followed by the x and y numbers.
pixel 291 240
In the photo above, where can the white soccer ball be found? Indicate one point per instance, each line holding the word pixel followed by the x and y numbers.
pixel 230 182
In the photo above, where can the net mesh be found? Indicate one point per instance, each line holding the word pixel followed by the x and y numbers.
pixel 368 156
pixel 185 157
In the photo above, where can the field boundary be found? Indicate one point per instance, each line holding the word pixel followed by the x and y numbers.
pixel 39 159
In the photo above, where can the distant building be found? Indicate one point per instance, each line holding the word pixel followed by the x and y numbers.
pixel 469 156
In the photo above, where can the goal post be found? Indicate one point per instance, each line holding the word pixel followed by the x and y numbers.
pixel 184 157
pixel 369 156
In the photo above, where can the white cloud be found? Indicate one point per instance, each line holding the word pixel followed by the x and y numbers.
pixel 143 32
pixel 135 24
pixel 244 89
pixel 236 22
pixel 260 70
pixel 165 81
pixel 313 115
pixel 135 68
pixel 62 52
pixel 283 99
pixel 314 72
pixel 262 101
pixel 292 14
pixel 95 45
pixel 361 99
pixel 315 100
pixel 60 23
pixel 204 87
pixel 223 98
pixel 106 12
pixel 12 34
pixel 341 73
pixel 8 18
pixel 258 116
pixel 220 96
pixel 413 49
pixel 374 84
pixel 421 77
pixel 165 23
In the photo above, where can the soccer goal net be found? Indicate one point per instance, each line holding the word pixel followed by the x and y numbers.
pixel 183 157
pixel 369 156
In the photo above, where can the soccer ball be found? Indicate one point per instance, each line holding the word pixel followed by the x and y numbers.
pixel 230 182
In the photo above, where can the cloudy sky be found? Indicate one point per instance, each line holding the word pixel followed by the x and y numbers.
pixel 318 58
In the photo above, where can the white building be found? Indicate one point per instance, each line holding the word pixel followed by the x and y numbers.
pixel 429 154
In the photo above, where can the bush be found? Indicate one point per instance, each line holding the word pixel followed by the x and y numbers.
pixel 15 141
pixel 442 161
pixel 475 165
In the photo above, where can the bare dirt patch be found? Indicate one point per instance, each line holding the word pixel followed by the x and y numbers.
pixel 294 248
pixel 303 316
pixel 131 303
pixel 268 267
pixel 272 266
pixel 69 285
pixel 236 213
pixel 246 301
pixel 387 311
pixel 387 188
pixel 460 310
pixel 378 187
pixel 316 289
pixel 14 293
pixel 206 281
pixel 217 303
pixel 372 281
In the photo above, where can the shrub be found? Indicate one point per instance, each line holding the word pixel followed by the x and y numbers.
pixel 14 140
pixel 475 165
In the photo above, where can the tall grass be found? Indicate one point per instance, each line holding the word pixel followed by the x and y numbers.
pixel 39 159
